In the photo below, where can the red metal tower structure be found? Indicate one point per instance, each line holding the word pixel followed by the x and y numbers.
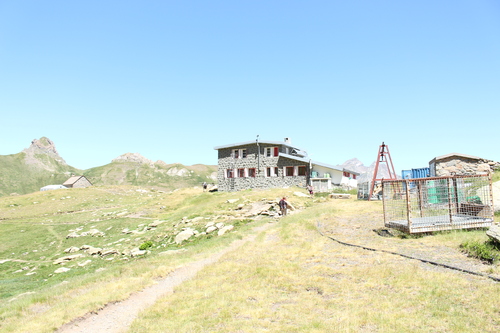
pixel 383 157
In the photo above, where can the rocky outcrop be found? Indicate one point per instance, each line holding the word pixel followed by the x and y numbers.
pixel 133 157
pixel 44 146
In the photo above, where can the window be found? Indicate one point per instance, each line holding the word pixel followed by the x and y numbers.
pixel 289 171
pixel 230 173
pixel 353 176
pixel 272 172
pixel 302 170
pixel 251 172
pixel 239 153
pixel 271 151
pixel 241 173
pixel 346 174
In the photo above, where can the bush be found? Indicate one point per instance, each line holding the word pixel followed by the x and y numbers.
pixel 145 245
pixel 487 251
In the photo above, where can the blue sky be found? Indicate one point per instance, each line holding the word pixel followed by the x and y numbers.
pixel 173 79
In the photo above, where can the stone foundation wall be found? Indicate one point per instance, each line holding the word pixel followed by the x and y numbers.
pixel 456 165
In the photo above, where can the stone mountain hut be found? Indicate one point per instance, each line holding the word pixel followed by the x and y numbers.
pixel 77 182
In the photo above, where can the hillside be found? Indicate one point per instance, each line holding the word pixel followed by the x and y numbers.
pixel 134 169
pixel 33 168
pixel 67 254
pixel 40 164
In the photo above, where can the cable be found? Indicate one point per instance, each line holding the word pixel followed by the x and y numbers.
pixel 410 257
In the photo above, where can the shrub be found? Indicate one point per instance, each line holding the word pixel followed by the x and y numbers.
pixel 486 251
pixel 145 245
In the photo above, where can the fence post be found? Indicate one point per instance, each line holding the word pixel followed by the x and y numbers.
pixel 408 205
pixel 449 200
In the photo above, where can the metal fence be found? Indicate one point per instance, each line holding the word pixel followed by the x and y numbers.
pixel 440 203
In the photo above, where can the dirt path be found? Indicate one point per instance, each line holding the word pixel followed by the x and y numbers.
pixel 117 317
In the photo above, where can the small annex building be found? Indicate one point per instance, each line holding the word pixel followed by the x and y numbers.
pixel 53 187
pixel 77 182
pixel 276 164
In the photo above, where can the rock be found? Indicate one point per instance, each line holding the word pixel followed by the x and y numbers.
pixel 220 225
pixel 72 249
pixel 197 219
pixel 210 229
pixel 67 258
pixel 94 250
pixel 494 233
pixel 136 252
pixel 184 235
pixel 232 200
pixel 61 270
pixel 209 224
pixel 155 223
pixel 86 262
pixel 73 235
pixel 93 233
pixel 224 230
pixel 108 252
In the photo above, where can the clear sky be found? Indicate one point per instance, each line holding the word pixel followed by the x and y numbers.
pixel 173 79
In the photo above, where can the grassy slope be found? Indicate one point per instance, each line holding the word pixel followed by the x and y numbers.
pixel 290 279
pixel 33 235
pixel 128 173
pixel 293 280
pixel 18 177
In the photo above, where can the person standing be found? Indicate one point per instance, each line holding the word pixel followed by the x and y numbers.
pixel 283 206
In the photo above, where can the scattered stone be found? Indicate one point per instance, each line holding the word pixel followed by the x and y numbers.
pixel 72 249
pixel 108 252
pixel 220 225
pixel 62 270
pixel 494 233
pixel 232 200
pixel 210 229
pixel 73 235
pixel 184 235
pixel 137 252
pixel 93 233
pixel 94 250
pixel 84 263
pixel 67 258
pixel 224 230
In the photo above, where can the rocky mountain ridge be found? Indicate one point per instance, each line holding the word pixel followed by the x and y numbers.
pixel 40 164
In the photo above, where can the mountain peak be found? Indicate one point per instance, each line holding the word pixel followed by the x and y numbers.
pixel 42 146
pixel 133 157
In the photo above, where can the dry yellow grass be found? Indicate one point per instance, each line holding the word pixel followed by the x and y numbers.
pixel 291 279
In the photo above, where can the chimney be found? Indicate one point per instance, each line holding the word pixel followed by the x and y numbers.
pixel 288 141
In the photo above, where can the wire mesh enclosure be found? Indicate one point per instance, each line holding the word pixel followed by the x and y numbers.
pixel 435 204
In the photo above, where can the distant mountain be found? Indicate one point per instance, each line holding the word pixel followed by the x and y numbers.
pixel 134 169
pixel 366 172
pixel 354 165
pixel 40 164
pixel 34 167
